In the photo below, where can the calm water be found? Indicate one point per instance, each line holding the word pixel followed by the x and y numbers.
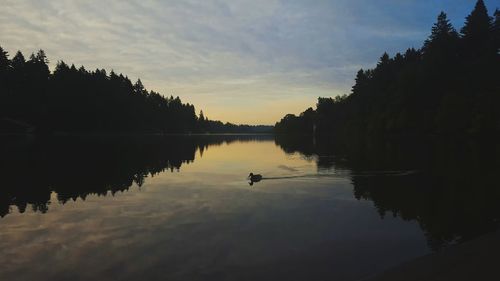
pixel 180 208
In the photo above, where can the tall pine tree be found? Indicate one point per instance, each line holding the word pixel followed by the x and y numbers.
pixel 4 60
pixel 496 30
pixel 477 32
pixel 440 47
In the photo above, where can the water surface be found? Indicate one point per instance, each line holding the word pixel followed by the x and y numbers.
pixel 181 208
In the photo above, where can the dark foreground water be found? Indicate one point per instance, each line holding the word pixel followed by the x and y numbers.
pixel 180 208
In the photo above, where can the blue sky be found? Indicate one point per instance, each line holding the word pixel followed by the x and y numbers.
pixel 240 61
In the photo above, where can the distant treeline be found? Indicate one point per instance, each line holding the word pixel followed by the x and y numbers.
pixel 449 86
pixel 75 100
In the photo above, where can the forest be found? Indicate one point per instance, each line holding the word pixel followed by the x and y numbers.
pixel 74 100
pixel 450 86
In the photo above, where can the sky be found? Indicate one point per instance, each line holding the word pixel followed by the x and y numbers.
pixel 246 62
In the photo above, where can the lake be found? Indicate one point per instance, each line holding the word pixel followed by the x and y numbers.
pixel 182 208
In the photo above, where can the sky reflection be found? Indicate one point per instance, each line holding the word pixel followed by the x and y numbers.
pixel 206 223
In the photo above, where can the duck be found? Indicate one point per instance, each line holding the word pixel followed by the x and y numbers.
pixel 254 178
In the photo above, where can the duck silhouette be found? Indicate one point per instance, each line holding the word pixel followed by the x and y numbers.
pixel 254 178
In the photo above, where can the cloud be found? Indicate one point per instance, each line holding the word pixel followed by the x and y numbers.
pixel 226 50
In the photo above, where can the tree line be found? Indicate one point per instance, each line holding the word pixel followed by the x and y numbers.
pixel 448 86
pixel 71 99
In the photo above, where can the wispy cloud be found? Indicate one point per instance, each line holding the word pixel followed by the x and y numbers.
pixel 226 55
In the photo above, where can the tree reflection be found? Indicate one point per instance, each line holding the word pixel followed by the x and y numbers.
pixel 77 167
pixel 453 193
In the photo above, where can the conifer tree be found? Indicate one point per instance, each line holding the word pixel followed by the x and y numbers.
pixel 496 30
pixel 361 80
pixel 4 70
pixel 18 61
pixel 442 36
pixel 139 88
pixel 477 32
pixel 4 60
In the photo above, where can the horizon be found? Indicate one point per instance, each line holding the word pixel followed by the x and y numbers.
pixel 238 62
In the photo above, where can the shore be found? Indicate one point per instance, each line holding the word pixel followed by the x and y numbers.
pixel 478 259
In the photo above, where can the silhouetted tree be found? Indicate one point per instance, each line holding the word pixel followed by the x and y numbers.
pixel 139 88
pixel 496 30
pixel 476 33
pixel 441 46
pixel 4 60
pixel 4 79
pixel 18 61
pixel 361 81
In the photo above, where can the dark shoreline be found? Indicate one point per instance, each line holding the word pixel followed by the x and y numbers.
pixel 477 259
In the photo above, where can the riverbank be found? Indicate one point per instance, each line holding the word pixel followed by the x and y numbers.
pixel 474 260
